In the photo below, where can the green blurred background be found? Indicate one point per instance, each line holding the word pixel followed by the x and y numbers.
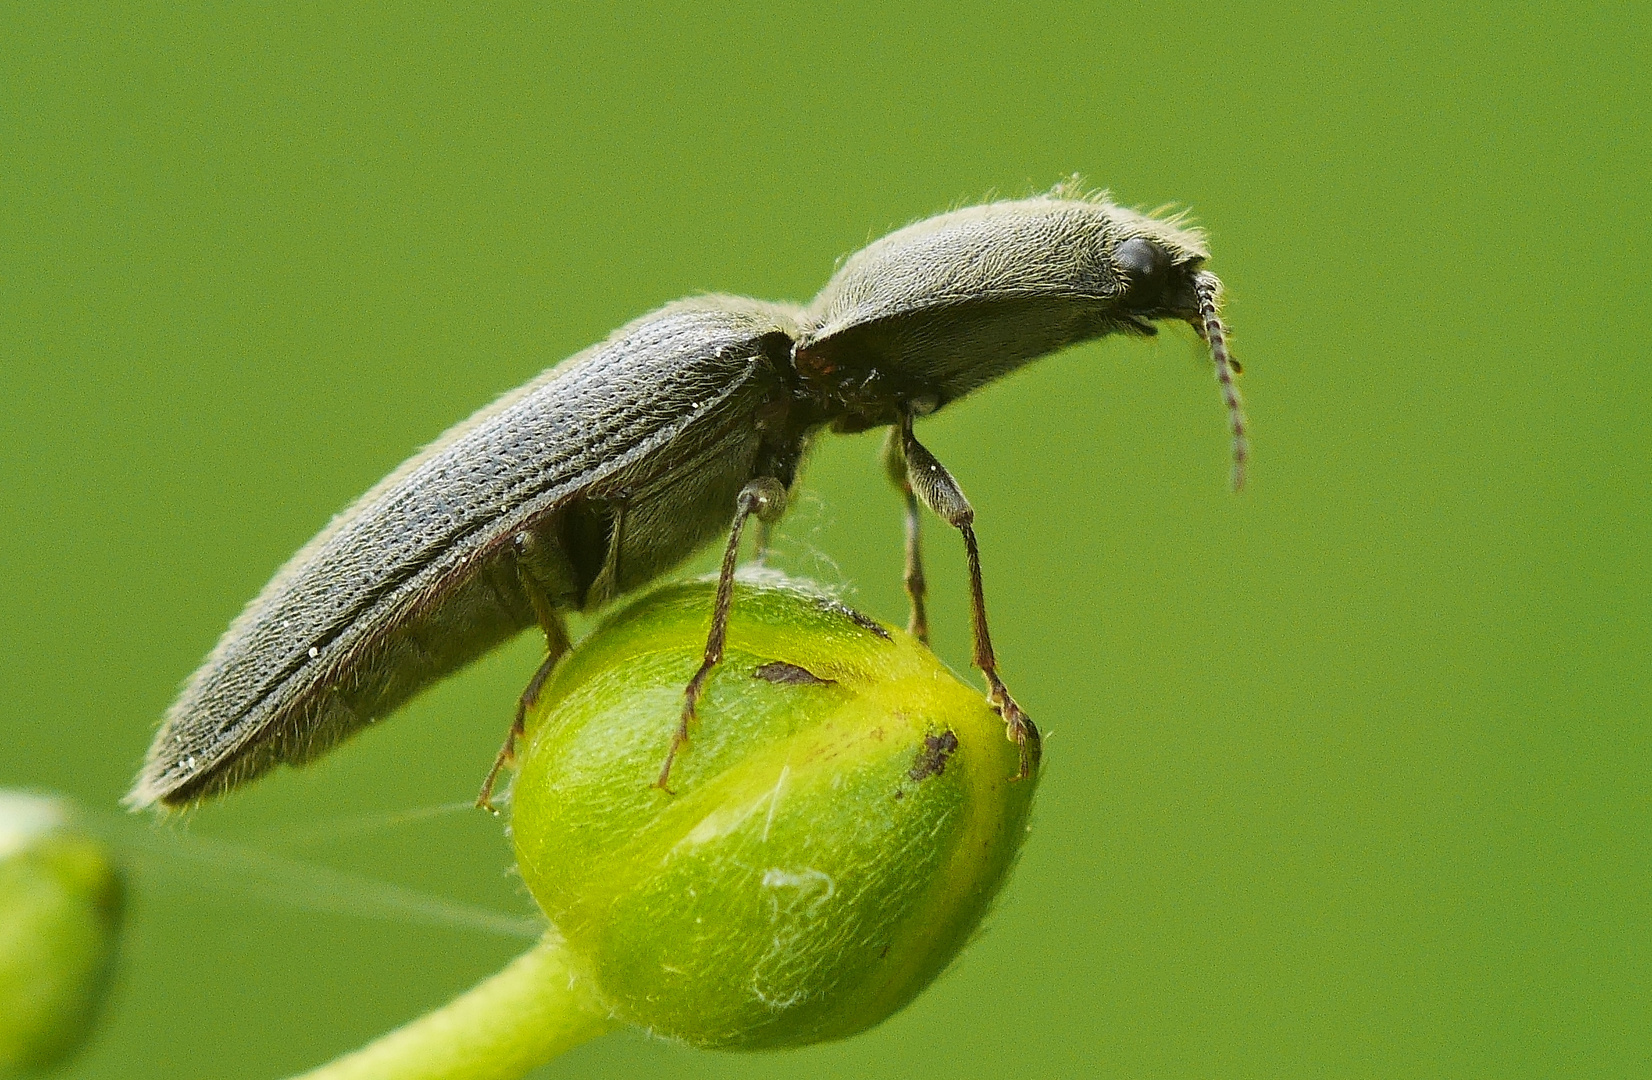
pixel 1347 775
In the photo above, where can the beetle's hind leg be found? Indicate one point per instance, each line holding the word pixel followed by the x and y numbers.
pixel 929 480
pixel 894 464
pixel 507 752
pixel 556 644
pixel 764 498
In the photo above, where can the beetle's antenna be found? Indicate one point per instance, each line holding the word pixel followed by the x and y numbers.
pixel 1208 288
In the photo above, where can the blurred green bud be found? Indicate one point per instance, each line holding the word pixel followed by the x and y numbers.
pixel 60 913
pixel 843 815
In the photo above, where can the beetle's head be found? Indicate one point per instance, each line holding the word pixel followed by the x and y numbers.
pixel 1157 278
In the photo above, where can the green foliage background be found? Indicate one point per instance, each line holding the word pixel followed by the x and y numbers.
pixel 1348 775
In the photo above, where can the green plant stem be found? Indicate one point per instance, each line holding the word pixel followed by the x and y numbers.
pixel 500 1029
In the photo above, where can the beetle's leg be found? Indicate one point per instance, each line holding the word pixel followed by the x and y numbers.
pixel 940 492
pixel 556 643
pixel 616 546
pixel 507 752
pixel 613 565
pixel 894 463
pixel 764 497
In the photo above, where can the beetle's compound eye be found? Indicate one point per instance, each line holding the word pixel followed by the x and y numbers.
pixel 1141 260
pixel 1144 267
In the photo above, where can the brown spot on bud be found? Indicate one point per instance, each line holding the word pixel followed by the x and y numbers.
pixel 931 758
pixel 778 671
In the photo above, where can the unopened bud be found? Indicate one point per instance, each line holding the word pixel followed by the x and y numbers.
pixel 60 913
pixel 838 823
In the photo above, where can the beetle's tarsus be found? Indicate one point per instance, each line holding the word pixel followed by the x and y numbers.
pixel 507 752
pixel 764 497
pixel 556 643
pixel 1018 727
pixel 507 756
pixel 679 738
pixel 663 781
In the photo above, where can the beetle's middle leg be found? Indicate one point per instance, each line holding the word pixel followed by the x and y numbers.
pixel 556 644
pixel 610 581
pixel 764 498
pixel 894 464
pixel 929 480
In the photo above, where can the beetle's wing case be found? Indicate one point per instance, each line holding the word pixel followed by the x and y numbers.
pixel 955 301
pixel 417 578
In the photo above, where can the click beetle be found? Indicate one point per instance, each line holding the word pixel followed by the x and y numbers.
pixel 613 467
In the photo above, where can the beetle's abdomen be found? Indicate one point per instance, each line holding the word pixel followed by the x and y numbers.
pixel 268 695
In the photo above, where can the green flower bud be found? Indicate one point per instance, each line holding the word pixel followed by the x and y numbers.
pixel 842 816
pixel 60 913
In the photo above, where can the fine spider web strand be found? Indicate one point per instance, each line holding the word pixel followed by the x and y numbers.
pixel 277 879
pixel 1208 288
pixel 339 828
pixel 794 547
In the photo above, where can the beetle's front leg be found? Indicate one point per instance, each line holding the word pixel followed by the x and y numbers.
pixel 765 498
pixel 894 464
pixel 931 482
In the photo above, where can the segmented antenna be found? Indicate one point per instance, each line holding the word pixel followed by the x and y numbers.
pixel 1208 288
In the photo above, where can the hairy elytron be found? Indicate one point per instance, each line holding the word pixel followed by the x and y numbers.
pixel 613 467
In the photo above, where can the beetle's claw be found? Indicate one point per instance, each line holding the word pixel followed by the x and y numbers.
pixel 1019 729
pixel 664 779
pixel 507 756
pixel 678 739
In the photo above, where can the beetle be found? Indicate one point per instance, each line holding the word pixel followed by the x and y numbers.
pixel 613 467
